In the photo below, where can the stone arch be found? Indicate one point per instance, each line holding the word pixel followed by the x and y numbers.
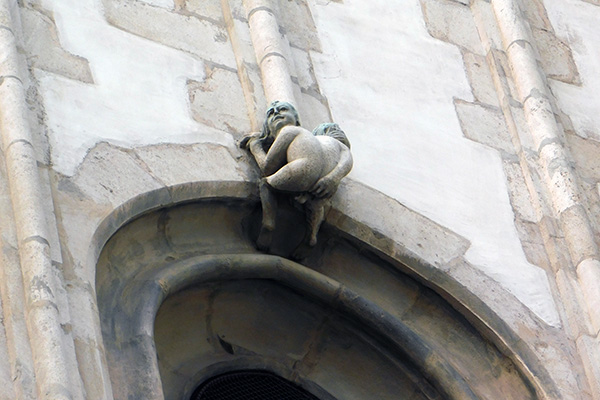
pixel 174 250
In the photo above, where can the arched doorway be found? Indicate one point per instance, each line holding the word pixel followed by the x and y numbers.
pixel 184 297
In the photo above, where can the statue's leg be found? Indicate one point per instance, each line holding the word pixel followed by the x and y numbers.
pixel 315 214
pixel 297 176
pixel 269 212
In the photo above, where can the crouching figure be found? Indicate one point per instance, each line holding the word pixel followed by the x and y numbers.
pixel 308 166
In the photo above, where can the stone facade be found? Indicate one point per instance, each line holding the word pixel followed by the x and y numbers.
pixel 460 259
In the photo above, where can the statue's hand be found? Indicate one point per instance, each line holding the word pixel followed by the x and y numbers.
pixel 324 188
pixel 245 142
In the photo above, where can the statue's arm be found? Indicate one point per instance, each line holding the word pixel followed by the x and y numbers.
pixel 255 145
pixel 276 157
pixel 327 185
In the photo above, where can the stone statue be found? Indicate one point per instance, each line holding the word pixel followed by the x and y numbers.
pixel 308 166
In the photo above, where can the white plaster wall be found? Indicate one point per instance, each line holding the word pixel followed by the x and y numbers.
pixel 391 86
pixel 139 93
pixel 577 23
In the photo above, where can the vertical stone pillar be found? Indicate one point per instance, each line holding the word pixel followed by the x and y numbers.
pixel 559 177
pixel 267 42
pixel 39 286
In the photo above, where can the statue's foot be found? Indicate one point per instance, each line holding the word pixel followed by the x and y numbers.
pixel 265 237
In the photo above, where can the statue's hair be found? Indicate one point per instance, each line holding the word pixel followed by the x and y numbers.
pixel 266 132
pixel 333 130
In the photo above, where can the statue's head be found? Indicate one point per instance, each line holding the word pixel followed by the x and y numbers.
pixel 333 130
pixel 278 115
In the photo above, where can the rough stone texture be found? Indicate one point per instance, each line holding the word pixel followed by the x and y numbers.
pixel 44 50
pixel 576 25
pixel 578 234
pixel 501 74
pixel 407 230
pixel 485 125
pixel 48 204
pixel 536 14
pixel 302 69
pixel 521 131
pixel 187 33
pixel 295 18
pixel 557 59
pixel 588 272
pixel 587 346
pixel 487 26
pixel 452 22
pixel 194 163
pixel 533 244
pixel 518 192
pixel 99 178
pixel 480 78
pixel 6 385
pixel 585 153
pixel 550 346
pixel 313 109
pixel 218 101
pixel 576 322
pixel 205 8
pixel 13 305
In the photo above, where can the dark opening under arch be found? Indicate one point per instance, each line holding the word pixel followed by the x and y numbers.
pixel 250 385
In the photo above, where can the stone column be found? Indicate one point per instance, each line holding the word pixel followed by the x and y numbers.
pixel 267 42
pixel 40 289
pixel 559 178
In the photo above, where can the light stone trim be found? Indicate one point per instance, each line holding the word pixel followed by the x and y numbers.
pixel 236 39
pixel 266 40
pixel 560 179
pixel 53 377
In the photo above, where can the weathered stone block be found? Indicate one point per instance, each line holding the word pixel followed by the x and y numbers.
pixel 536 15
pixel 518 192
pixel 578 234
pixel 533 244
pixel 44 50
pixel 312 110
pixel 589 349
pixel 452 22
pixel 485 19
pixel 219 101
pixel 188 33
pixel 521 129
pixel 48 205
pixel 407 228
pixel 302 69
pixel 207 8
pixel 6 387
pixel 243 42
pixel 588 272
pixel 557 59
pixel 199 162
pixel 501 74
pixel 295 18
pixel 485 125
pixel 102 176
pixel 586 153
pixel 577 323
pixel 480 78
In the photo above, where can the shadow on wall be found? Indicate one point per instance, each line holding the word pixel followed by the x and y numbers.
pixel 184 296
